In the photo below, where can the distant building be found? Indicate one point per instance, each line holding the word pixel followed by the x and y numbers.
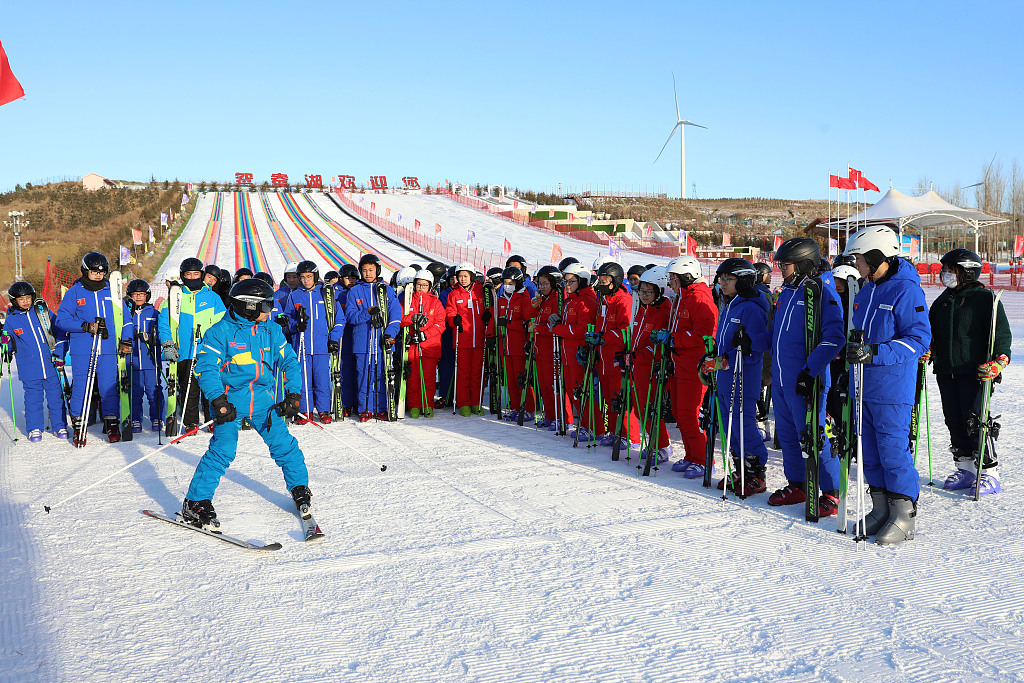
pixel 94 181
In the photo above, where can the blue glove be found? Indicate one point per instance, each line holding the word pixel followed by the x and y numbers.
pixel 594 338
pixel 582 355
pixel 661 337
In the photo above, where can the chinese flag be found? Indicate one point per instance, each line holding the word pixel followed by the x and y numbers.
pixel 847 184
pixel 865 184
pixel 854 174
pixel 833 181
pixel 10 88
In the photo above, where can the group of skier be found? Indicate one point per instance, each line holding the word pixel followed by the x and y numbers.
pixel 604 355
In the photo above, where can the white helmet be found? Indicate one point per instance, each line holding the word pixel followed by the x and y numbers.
pixel 600 261
pixel 406 275
pixel 878 237
pixel 657 276
pixel 291 267
pixel 425 275
pixel 466 266
pixel 580 271
pixel 841 273
pixel 685 265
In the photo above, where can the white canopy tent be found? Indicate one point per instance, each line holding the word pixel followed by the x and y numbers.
pixel 926 211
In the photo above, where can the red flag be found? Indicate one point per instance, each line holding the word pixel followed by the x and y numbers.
pixel 416 224
pixel 854 174
pixel 556 253
pixel 437 228
pixel 507 247
pixel 865 184
pixel 691 246
pixel 10 88
pixel 1018 246
pixel 726 239
pixel 833 181
pixel 847 184
pixel 777 243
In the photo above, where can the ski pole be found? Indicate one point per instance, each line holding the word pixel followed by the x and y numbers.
pixel 728 436
pixel 857 337
pixel 343 442
pixel 455 375
pixel 89 381
pixel 743 452
pixel 190 432
pixel 191 373
pixel 10 385
pixel 928 427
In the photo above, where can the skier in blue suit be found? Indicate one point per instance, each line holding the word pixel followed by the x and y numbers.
pixel 347 277
pixel 143 316
pixel 311 335
pixel 24 337
pixel 891 311
pixel 794 368
pixel 744 306
pixel 236 366
pixel 373 334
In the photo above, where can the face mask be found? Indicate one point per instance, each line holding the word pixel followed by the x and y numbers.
pixel 510 289
pixel 193 283
pixel 948 279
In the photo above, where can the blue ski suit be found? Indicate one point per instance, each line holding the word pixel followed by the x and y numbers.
pixel 752 312
pixel 239 358
pixel 311 346
pixel 348 355
pixel 144 380
pixel 82 305
pixel 790 357
pixel 35 368
pixel 894 317
pixel 368 341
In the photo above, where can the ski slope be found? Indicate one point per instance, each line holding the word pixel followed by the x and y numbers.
pixel 489 552
pixel 232 229
pixel 456 220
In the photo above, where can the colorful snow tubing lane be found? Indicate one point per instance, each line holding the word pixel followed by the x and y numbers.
pixel 208 247
pixel 284 242
pixel 248 249
pixel 359 244
pixel 332 254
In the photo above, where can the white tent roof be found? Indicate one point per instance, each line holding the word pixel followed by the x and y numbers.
pixel 927 211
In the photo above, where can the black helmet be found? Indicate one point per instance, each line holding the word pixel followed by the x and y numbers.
pixel 212 270
pixel 742 269
pixel 764 272
pixel 845 260
pixel 266 277
pixel 824 266
pixel 437 269
pixel 139 285
pixel 515 274
pixel 223 282
pixel 371 259
pixel 20 289
pixel 348 270
pixel 565 262
pixel 802 252
pixel 637 270
pixel 240 272
pixel 967 261
pixel 191 263
pixel 449 274
pixel 516 258
pixel 308 267
pixel 249 298
pixel 331 275
pixel 650 265
pixel 495 275
pixel 95 261
pixel 552 273
pixel 415 266
pixel 615 271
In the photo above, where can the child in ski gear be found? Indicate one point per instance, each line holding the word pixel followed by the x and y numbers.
pixel 25 336
pixel 795 367
pixel 289 282
pixel 201 307
pixel 650 339
pixel 961 319
pixel 446 366
pixel 579 312
pixel 143 316
pixel 514 315
pixel 743 327
pixel 348 275
pixel 549 280
pixel 86 315
pixel 891 311
pixel 236 366
pixel 465 313
pixel 373 334
pixel 696 317
pixel 519 262
pixel 425 323
pixel 313 342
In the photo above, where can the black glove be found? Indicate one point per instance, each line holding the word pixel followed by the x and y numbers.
pixel 300 325
pixel 503 321
pixel 223 411
pixel 333 346
pixel 420 320
pixel 457 322
pixel 418 337
pixel 486 317
pixel 376 319
pixel 282 320
pixel 860 353
pixel 554 319
pixel 527 348
pixel 373 310
pixel 741 340
pixel 290 405
pixel 804 384
pixel 125 347
pixel 384 341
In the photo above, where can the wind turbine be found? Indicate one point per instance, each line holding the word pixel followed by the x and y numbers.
pixel 681 124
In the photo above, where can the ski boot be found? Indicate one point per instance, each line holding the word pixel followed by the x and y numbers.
pixel 428 412
pixel 300 420
pixel 413 413
pixel 476 410
pixel 465 411
pixel 112 429
pixel 989 483
pixel 791 494
pixel 302 497
pixel 365 416
pixel 61 434
pixel 689 470
pixel 157 425
pixel 382 416
pixel 200 514
pixel 662 455
pixel 960 479
pixel 136 426
pixel 879 514
pixel 79 432
pixel 753 477
pixel 900 525
pixel 35 436
pixel 325 417
pixel 828 504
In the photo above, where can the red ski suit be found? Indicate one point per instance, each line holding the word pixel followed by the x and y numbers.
pixel 696 317
pixel 516 311
pixel 613 316
pixel 423 357
pixel 468 344
pixel 642 401
pixel 544 354
pixel 580 311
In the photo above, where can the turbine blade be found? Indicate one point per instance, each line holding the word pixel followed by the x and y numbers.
pixel 667 141
pixel 691 123
pixel 676 95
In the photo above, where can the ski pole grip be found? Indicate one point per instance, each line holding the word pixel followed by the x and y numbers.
pixel 856 336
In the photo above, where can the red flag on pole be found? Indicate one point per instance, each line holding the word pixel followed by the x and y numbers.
pixel 777 243
pixel 853 174
pixel 437 228
pixel 1018 246
pixel 507 247
pixel 416 224
pixel 10 88
pixel 833 181
pixel 556 253
pixel 865 184
pixel 846 184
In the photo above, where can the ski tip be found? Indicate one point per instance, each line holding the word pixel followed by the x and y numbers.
pixel 270 546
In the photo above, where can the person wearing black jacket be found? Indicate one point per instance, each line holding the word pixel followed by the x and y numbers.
pixel 961 319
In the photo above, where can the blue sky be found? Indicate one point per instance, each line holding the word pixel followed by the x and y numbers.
pixel 528 94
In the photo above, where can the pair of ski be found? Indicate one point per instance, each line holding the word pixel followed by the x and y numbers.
pixel 310 531
pixel 395 377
